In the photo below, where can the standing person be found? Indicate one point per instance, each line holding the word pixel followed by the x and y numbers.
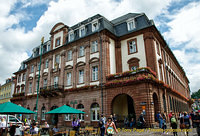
pixel 12 129
pixel 115 119
pixel 3 126
pixel 160 119
pixel 110 127
pixel 132 123
pixel 170 115
pixel 74 124
pixel 186 122
pixel 182 125
pixel 141 121
pixel 17 130
pixel 102 125
pixel 29 121
pixel 173 122
pixel 197 122
pixel 22 129
pixel 164 125
pixel 192 117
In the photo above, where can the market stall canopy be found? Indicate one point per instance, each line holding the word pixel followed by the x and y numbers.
pixel 65 110
pixel 11 108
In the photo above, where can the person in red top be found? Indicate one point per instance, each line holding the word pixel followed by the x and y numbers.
pixel 110 127
pixel 170 115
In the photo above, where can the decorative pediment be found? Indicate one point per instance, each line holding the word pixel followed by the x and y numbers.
pixel 81 63
pixel 30 78
pixel 45 74
pixel 93 60
pixel 22 85
pixel 68 67
pixel 133 60
pixel 160 61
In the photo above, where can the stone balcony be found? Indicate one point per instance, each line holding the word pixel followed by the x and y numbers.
pixel 51 91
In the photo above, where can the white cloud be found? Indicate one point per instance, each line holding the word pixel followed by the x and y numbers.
pixel 15 42
pixel 184 35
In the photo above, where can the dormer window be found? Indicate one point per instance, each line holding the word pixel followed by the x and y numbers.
pixel 82 31
pixel 95 26
pixel 71 36
pixel 57 41
pixel 131 24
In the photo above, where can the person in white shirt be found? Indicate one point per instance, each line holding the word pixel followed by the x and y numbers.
pixel 3 125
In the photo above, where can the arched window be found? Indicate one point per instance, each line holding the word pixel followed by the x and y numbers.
pixel 43 110
pixel 68 116
pixel 170 101
pixel 81 108
pixel 94 110
pixel 164 103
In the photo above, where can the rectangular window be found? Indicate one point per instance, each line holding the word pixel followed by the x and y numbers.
pixel 48 47
pixel 94 47
pixel 94 73
pixel 71 36
pixel 57 41
pixel 132 46
pixel 131 25
pixel 55 81
pixel 38 66
pixel 30 88
pixel 36 86
pixel 69 55
pixel 81 51
pixel 19 78
pixel 57 61
pixel 81 75
pixel 95 26
pixel 45 83
pixel 158 48
pixel 69 77
pixel 67 117
pixel 24 77
pixel 46 63
pixel 32 68
pixel 82 32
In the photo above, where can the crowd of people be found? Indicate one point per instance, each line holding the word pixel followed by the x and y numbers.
pixel 19 129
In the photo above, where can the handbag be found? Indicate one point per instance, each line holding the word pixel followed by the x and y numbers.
pixel 182 126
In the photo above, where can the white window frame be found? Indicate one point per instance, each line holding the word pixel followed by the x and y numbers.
pixel 80 31
pixel 81 76
pixel 55 81
pixel 45 83
pixel 67 117
pixel 46 63
pixel 69 78
pixel 81 51
pixel 69 55
pixel 93 27
pixel 94 73
pixel 132 47
pixel 30 88
pixel 131 21
pixel 43 111
pixel 71 36
pixel 32 68
pixel 96 111
pixel 94 47
pixel 36 86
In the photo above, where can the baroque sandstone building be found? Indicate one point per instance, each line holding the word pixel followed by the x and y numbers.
pixel 123 66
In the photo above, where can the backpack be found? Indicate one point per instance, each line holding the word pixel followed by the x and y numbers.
pixel 173 120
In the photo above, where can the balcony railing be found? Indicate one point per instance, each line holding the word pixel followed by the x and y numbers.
pixel 50 91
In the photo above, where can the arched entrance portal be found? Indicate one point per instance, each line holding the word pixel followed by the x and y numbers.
pixel 123 107
pixel 156 107
pixel 54 117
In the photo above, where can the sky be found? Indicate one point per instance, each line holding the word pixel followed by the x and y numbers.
pixel 24 22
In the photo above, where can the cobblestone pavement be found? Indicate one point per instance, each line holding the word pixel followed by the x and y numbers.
pixel 153 132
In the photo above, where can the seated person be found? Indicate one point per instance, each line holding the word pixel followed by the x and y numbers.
pixel 55 131
pixel 45 128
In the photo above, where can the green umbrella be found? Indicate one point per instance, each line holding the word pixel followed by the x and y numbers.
pixel 11 108
pixel 65 110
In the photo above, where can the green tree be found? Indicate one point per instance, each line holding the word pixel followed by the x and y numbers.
pixel 196 95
